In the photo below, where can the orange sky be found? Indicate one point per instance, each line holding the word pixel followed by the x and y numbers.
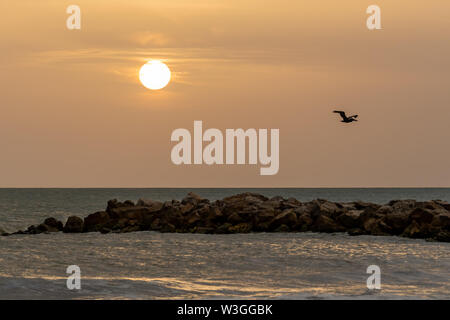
pixel 73 113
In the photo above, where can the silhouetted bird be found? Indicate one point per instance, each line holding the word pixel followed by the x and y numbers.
pixel 345 118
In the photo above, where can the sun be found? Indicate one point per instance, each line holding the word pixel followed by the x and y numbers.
pixel 154 75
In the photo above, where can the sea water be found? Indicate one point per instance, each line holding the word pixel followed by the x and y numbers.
pixel 151 265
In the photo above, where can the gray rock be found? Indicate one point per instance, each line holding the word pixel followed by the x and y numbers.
pixel 192 198
pixel 398 221
pixel 151 204
pixel 235 218
pixel 350 219
pixel 247 212
pixel 74 224
pixel 287 217
pixel 96 221
pixel 53 224
pixel 326 224
pixel 421 215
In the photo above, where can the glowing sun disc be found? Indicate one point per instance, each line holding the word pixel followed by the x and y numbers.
pixel 154 75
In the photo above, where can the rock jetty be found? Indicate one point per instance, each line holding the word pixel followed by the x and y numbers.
pixel 251 212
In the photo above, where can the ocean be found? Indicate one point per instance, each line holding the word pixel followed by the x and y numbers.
pixel 151 265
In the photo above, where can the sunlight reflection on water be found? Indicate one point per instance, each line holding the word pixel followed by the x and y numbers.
pixel 149 265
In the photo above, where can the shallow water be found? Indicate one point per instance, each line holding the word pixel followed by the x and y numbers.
pixel 150 265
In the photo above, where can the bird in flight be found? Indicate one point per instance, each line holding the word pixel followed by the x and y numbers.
pixel 345 118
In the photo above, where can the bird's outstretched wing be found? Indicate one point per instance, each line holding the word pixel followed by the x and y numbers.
pixel 341 113
pixel 354 116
